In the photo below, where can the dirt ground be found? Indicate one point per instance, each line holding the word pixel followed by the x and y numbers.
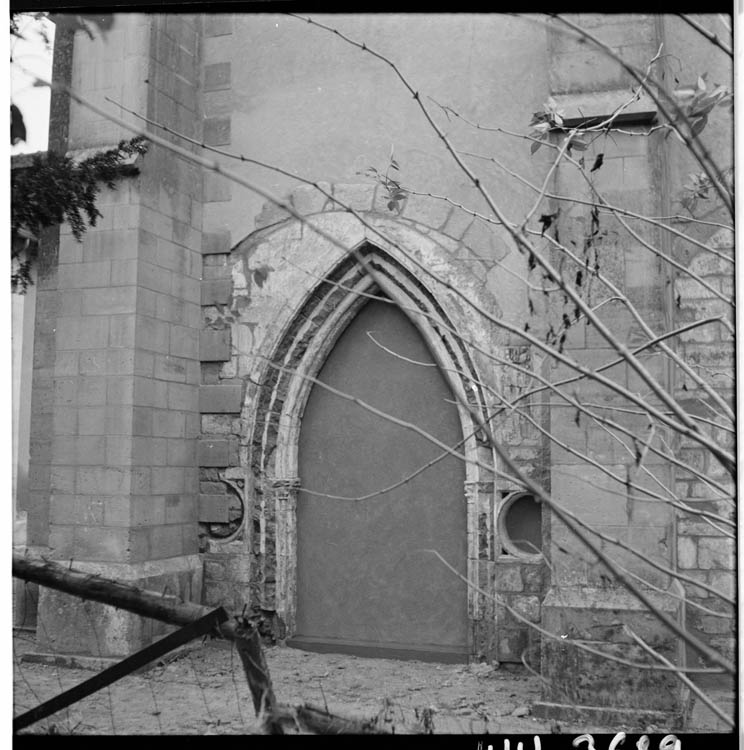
pixel 201 690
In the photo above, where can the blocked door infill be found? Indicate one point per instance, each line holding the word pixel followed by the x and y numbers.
pixel 365 581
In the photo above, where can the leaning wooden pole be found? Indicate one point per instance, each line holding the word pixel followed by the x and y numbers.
pixel 172 610
pixel 169 609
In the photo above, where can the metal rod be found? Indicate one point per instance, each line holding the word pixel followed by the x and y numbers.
pixel 110 675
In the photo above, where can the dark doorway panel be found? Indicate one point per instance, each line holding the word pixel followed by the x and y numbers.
pixel 364 585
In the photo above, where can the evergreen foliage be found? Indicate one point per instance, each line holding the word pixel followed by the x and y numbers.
pixel 55 188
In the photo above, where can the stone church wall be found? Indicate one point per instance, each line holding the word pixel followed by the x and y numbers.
pixel 158 449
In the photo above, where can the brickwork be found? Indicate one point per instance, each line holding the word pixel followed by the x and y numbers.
pixel 218 51
pixel 584 67
pixel 601 494
pixel 586 682
pixel 126 341
pixel 221 399
pixel 705 547
pixel 44 419
pixel 521 587
pixel 215 345
pixel 220 402
pixel 592 470
pixel 169 272
pixel 124 325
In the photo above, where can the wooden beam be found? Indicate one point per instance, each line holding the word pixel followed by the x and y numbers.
pixel 170 609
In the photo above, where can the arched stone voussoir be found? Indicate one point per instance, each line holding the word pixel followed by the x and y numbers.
pixel 705 263
pixel 723 239
pixel 276 272
pixel 319 197
pixel 296 286
pixel 432 259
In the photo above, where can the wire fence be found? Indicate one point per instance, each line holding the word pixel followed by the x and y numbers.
pixel 201 689
pixel 197 690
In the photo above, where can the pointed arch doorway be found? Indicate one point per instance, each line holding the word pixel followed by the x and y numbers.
pixel 374 496
pixel 304 338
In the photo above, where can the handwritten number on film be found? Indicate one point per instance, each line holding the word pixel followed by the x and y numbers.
pixel 669 742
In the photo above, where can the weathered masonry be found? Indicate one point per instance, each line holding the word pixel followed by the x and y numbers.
pixel 177 436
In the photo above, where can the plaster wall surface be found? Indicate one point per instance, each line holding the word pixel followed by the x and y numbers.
pixel 301 98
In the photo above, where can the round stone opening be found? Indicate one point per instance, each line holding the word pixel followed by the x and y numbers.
pixel 520 525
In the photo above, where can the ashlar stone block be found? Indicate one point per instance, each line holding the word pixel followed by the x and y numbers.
pixel 217 452
pixel 214 508
pixel 220 399
pixel 215 345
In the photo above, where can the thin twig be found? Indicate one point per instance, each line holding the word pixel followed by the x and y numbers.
pixel 680 673
pixel 569 519
pixel 611 208
pixel 524 246
pixel 218 169
pixel 689 431
pixel 555 636
pixel 518 368
pixel 707 33
pixel 696 148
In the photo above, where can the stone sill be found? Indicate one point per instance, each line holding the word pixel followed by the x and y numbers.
pixel 514 560
pixel 583 110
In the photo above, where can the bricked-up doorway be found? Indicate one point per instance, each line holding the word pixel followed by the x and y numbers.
pixel 365 582
pixel 303 334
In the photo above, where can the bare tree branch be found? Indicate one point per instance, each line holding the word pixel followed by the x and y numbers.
pixel 561 637
pixel 689 683
pixel 696 148
pixel 676 418
pixel 707 33
pixel 524 246
pixel 690 426
pixel 607 207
